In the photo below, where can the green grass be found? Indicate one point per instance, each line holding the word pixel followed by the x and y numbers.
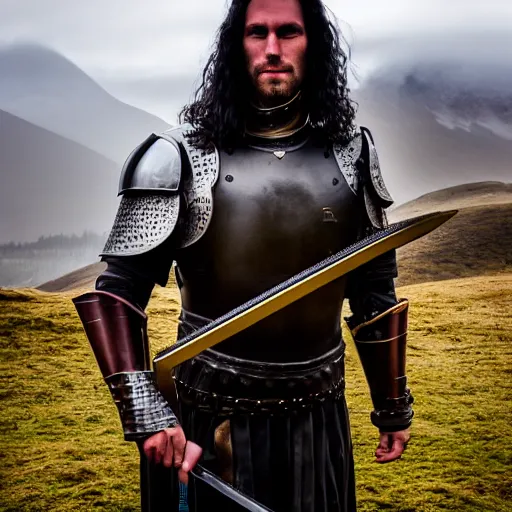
pixel 62 448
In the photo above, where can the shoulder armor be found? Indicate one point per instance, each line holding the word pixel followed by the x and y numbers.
pixel 359 163
pixel 347 158
pixel 157 193
pixel 376 180
pixel 198 185
pixel 155 165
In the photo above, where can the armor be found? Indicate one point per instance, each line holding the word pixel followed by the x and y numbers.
pixel 237 223
pixel 117 333
pixel 381 343
pixel 157 191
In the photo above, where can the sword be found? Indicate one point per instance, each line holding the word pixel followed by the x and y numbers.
pixel 246 502
pixel 298 286
pixel 278 297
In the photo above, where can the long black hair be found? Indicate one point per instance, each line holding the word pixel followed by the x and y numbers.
pixel 218 110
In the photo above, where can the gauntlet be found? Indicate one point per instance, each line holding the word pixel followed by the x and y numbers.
pixel 381 343
pixel 117 333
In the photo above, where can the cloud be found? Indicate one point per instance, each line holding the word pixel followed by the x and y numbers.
pixel 147 54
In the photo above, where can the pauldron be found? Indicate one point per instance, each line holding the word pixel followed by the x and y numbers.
pixel 359 163
pixel 167 189
pixel 166 186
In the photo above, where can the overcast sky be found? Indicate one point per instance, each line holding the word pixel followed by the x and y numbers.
pixel 148 53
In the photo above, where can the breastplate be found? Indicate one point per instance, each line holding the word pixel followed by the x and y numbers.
pixel 272 218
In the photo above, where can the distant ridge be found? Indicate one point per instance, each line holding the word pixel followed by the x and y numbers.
pixel 477 241
pixel 51 184
pixel 460 196
pixel 81 278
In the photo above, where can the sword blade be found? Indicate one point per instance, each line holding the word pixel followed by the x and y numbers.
pixel 227 490
pixel 298 286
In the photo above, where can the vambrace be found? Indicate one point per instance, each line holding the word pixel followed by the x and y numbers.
pixel 381 344
pixel 117 333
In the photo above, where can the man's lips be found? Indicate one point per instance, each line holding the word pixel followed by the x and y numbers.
pixel 274 73
pixel 277 71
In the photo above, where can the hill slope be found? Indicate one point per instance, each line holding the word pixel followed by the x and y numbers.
pixel 453 198
pixel 82 278
pixel 477 241
pixel 63 446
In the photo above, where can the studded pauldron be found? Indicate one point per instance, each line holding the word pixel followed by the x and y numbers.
pixel 161 195
pixel 142 408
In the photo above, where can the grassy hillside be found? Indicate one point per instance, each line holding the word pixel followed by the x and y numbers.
pixel 462 196
pixel 61 442
pixel 477 241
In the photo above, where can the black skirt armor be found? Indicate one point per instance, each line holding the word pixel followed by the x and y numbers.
pixel 285 431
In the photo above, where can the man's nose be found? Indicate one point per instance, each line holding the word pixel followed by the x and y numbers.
pixel 273 46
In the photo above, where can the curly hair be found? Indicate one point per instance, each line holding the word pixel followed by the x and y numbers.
pixel 218 110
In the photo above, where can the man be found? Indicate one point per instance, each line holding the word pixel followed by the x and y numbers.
pixel 269 177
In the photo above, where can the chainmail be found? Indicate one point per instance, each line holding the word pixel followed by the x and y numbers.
pixel 142 408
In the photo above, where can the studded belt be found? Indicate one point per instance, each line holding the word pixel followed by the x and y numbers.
pixel 225 385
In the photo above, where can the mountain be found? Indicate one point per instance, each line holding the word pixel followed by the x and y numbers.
pixel 51 184
pixel 44 88
pixel 439 122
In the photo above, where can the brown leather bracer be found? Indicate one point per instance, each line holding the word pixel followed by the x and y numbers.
pixel 381 344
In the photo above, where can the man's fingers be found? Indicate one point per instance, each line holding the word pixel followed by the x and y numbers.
pixel 159 447
pixel 170 447
pixel 383 447
pixel 178 443
pixel 152 447
pixel 169 451
pixel 397 448
pixel 192 455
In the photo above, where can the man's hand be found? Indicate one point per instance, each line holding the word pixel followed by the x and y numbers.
pixel 392 445
pixel 170 447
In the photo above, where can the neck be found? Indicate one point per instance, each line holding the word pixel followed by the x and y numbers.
pixel 276 122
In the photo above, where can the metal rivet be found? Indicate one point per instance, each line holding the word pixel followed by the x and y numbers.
pixel 229 178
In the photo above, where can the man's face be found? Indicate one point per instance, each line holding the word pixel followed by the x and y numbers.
pixel 275 45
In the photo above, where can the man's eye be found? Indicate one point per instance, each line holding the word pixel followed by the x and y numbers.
pixel 288 31
pixel 257 32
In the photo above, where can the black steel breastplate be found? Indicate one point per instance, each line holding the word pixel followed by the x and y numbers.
pixel 271 219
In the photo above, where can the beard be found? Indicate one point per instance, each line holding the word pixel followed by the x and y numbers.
pixel 272 91
pixel 275 91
